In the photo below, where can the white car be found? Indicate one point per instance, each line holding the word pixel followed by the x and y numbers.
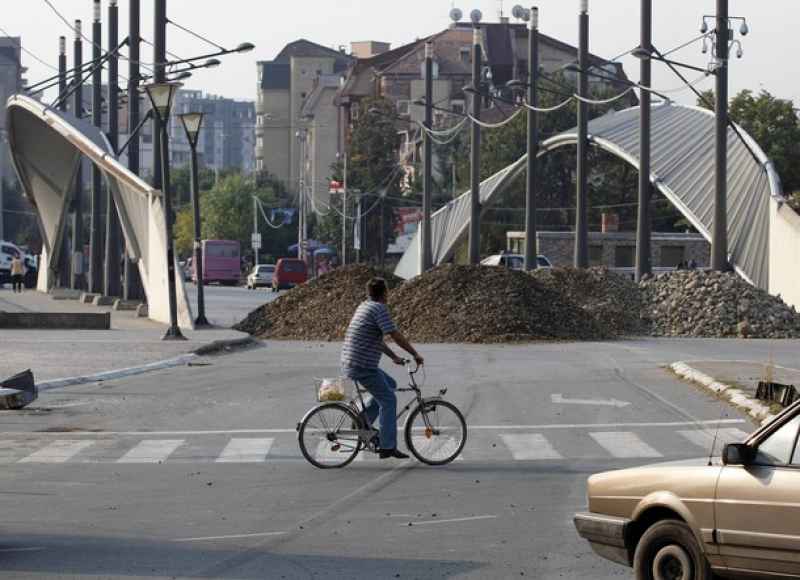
pixel 260 275
pixel 514 261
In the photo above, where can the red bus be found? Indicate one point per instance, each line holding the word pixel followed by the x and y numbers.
pixel 221 262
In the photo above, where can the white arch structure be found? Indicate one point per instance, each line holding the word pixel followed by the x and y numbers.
pixel 763 232
pixel 47 147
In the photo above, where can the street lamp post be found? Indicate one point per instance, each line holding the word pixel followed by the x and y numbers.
pixel 581 218
pixel 161 96
pixel 64 258
pixel 643 221
pixel 76 281
pixel 191 125
pixel 475 169
pixel 95 254
pixel 425 238
pixel 719 232
pixel 111 282
pixel 531 250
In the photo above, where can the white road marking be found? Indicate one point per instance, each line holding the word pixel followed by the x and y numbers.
pixel 530 447
pixel 451 521
pixel 242 450
pixel 57 452
pixel 559 399
pixel 624 444
pixel 704 437
pixel 151 451
pixel 325 453
pixel 469 427
pixel 436 449
pixel 231 537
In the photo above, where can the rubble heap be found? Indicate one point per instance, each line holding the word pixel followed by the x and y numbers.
pixel 612 300
pixel 480 304
pixel 714 304
pixel 318 310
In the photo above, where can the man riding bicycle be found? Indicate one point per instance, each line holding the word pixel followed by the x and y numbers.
pixel 361 353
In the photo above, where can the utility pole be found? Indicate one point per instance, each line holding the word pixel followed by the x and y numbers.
pixel 76 281
pixel 111 282
pixel 643 225
pixel 475 170
pixel 719 234
pixel 581 217
pixel 531 251
pixel 95 255
pixel 255 229
pixel 159 76
pixel 425 239
pixel 133 284
pixel 64 265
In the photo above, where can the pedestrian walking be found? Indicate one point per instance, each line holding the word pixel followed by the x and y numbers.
pixel 17 274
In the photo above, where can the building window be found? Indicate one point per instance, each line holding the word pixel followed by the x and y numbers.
pixel 260 142
pixel 466 55
pixel 624 256
pixel 457 107
pixel 402 107
pixel 354 113
pixel 259 164
pixel 596 255
pixel 671 256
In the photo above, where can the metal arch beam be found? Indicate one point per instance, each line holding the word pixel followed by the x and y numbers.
pixel 682 163
pixel 47 147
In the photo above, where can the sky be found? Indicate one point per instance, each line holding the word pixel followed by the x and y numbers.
pixel 770 61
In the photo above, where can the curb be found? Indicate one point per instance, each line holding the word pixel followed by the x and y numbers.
pixel 212 348
pixel 753 407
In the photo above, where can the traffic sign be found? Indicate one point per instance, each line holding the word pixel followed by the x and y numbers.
pixel 256 241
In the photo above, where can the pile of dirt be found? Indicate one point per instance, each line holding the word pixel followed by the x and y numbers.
pixel 318 310
pixel 612 300
pixel 714 304
pixel 479 304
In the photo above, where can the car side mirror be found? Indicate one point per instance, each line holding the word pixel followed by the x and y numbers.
pixel 738 454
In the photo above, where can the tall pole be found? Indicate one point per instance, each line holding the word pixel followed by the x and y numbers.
pixel 301 224
pixel 427 253
pixel 344 212
pixel 76 281
pixel 475 170
pixel 198 246
pixel 95 253
pixel 531 252
pixel 581 218
pixel 111 282
pixel 719 235
pixel 64 265
pixel 255 228
pixel 643 221
pixel 133 284
pixel 159 76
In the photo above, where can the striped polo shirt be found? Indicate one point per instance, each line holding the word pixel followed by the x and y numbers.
pixel 362 342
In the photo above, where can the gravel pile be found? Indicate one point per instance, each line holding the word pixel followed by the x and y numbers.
pixel 480 304
pixel 713 304
pixel 613 301
pixel 318 310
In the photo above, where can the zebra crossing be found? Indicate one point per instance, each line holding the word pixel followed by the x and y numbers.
pixel 562 445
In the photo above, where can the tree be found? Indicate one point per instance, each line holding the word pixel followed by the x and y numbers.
pixel 774 125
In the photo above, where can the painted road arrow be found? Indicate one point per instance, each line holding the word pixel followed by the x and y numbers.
pixel 560 400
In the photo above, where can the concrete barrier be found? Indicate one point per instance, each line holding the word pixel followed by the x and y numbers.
pixel 56 320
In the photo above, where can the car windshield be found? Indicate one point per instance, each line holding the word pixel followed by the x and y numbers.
pixel 266 269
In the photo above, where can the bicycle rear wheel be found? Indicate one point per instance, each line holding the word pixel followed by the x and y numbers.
pixel 436 432
pixel 328 436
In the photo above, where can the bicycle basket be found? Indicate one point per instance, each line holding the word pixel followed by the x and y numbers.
pixel 337 389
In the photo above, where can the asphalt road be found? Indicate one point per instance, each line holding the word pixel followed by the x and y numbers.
pixel 134 478
pixel 225 305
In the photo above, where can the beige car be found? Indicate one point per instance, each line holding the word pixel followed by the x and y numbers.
pixel 697 520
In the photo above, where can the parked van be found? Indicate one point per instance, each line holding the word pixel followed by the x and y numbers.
pixel 289 272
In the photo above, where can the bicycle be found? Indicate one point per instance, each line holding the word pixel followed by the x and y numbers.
pixel 333 433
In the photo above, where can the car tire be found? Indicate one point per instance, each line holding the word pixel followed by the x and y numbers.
pixel 667 550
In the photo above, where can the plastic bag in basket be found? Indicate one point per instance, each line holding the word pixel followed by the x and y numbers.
pixel 331 390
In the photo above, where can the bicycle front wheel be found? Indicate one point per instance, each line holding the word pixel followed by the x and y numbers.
pixel 436 432
pixel 329 436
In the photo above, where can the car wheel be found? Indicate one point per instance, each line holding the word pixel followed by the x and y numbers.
pixel 669 551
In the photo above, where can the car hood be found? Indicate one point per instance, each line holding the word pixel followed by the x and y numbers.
pixel 624 492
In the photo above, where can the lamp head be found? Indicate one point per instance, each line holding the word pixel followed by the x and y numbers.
pixel 191 124
pixel 456 14
pixel 584 6
pixel 476 16
pixel 704 27
pixel 78 30
pixel 245 47
pixel 97 8
pixel 212 63
pixel 641 53
pixel 182 76
pixel 62 45
pixel 744 29
pixel 161 96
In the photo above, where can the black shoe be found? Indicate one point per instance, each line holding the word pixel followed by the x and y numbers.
pixel 392 453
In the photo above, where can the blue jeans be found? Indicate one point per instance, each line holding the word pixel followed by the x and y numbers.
pixel 383 403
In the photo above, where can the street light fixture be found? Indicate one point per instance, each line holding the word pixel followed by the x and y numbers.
pixel 161 96
pixel 192 122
